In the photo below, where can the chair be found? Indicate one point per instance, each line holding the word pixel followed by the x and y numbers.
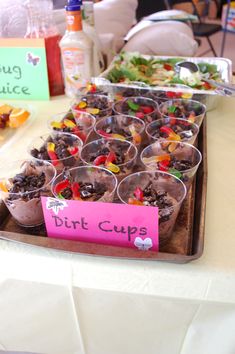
pixel 205 30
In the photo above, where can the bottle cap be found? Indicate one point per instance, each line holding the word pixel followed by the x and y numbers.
pixel 73 5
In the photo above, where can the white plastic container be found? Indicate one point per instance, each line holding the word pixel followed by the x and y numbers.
pixel 76 51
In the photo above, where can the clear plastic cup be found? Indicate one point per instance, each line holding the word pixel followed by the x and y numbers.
pixel 125 151
pixel 161 96
pixel 163 183
pixel 182 162
pixel 93 89
pixel 140 107
pixel 120 92
pixel 126 127
pixel 104 182
pixel 186 131
pixel 80 124
pixel 190 110
pixel 23 197
pixel 99 106
pixel 67 149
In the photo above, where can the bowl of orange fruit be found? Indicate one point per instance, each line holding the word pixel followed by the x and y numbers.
pixel 14 119
pixel 12 116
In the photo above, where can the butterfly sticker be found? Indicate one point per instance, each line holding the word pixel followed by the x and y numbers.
pixel 56 205
pixel 31 59
pixel 143 244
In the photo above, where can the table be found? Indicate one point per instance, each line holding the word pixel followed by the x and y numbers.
pixel 59 303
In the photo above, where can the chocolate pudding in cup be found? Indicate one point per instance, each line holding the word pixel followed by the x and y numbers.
pixel 176 129
pixel 161 96
pixel 99 106
pixel 85 183
pixel 155 188
pixel 121 127
pixel 120 93
pixel 92 89
pixel 118 156
pixel 61 149
pixel 139 107
pixel 22 184
pixel 158 96
pixel 182 162
pixel 190 110
pixel 80 124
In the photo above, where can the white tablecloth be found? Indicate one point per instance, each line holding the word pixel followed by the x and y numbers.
pixel 59 303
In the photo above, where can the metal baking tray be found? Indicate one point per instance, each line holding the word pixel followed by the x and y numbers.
pixel 187 240
pixel 208 97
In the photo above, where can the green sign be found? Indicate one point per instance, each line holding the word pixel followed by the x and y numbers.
pixel 23 69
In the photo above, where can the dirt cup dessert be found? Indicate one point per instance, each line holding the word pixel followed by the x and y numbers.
pixel 92 89
pixel 61 149
pixel 139 107
pixel 159 96
pixel 85 183
pixel 121 127
pixel 154 188
pixel 163 96
pixel 192 111
pixel 99 106
pixel 79 124
pixel 117 156
pixel 182 162
pixel 175 129
pixel 120 93
pixel 22 184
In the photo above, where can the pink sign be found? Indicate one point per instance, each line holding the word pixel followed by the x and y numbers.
pixel 106 223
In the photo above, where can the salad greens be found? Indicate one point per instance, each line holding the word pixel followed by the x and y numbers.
pixel 129 67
